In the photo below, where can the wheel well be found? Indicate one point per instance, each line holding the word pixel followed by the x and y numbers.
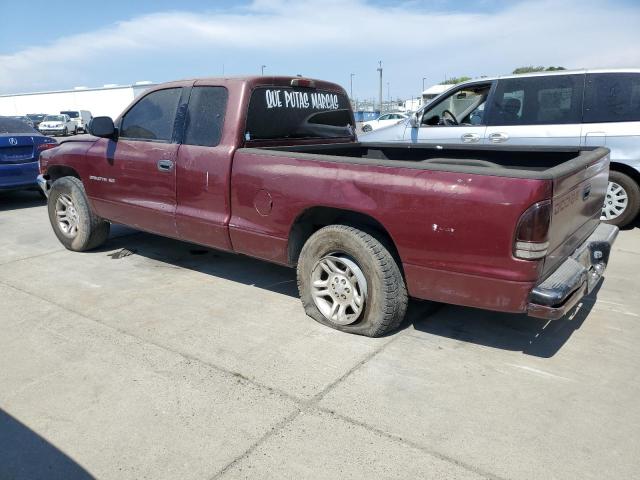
pixel 315 218
pixel 58 171
pixel 627 170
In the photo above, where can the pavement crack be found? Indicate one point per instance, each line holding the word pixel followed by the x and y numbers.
pixel 302 405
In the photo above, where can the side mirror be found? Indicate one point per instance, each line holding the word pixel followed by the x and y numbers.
pixel 102 127
pixel 413 120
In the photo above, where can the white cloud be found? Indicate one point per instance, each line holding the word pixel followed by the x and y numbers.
pixel 333 38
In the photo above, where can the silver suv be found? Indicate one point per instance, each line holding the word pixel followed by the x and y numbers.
pixel 566 108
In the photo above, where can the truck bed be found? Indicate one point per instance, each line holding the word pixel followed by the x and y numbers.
pixel 544 163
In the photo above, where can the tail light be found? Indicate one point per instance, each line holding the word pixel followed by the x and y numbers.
pixel 532 233
pixel 46 146
pixel 303 82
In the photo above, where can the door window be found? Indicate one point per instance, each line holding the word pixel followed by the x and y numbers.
pixel 205 116
pixel 612 97
pixel 466 105
pixel 554 99
pixel 153 117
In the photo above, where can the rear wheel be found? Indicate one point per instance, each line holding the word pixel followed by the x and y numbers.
pixel 73 222
pixel 622 202
pixel 349 281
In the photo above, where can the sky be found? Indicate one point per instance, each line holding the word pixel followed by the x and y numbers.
pixel 45 47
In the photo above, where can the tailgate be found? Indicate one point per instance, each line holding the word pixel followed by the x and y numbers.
pixel 578 196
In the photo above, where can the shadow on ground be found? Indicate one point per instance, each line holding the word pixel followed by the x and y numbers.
pixel 20 199
pixel 529 335
pixel 25 455
pixel 178 254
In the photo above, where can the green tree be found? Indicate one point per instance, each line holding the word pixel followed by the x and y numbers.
pixel 454 80
pixel 540 68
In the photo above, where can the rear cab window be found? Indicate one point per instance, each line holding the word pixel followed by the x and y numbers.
pixel 281 112
pixel 205 116
pixel 544 100
pixel 612 97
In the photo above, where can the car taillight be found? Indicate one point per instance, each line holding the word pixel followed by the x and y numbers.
pixel 532 233
pixel 45 146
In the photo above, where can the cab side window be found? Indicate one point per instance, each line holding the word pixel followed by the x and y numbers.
pixel 205 116
pixel 153 117
pixel 612 97
pixel 544 100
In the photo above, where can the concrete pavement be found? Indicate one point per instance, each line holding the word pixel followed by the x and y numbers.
pixel 152 358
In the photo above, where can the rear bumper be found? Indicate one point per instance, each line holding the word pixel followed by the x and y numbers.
pixel 575 277
pixel 15 176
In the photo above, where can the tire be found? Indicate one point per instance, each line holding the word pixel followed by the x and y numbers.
pixel 65 132
pixel 376 280
pixel 621 184
pixel 79 229
pixel 367 128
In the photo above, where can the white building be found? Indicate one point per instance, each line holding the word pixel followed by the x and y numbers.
pixel 109 100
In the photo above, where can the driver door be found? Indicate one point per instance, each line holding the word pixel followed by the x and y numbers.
pixel 456 119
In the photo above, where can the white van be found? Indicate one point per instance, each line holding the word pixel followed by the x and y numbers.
pixel 80 117
pixel 564 108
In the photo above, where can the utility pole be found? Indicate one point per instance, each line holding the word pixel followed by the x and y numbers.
pixel 380 91
pixel 388 94
pixel 351 92
pixel 423 79
pixel 262 69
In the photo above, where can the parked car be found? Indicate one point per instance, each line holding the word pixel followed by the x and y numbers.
pixel 20 147
pixel 81 118
pixel 271 168
pixel 383 121
pixel 36 118
pixel 566 108
pixel 57 125
pixel 24 119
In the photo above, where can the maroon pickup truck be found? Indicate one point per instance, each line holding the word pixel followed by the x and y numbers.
pixel 271 167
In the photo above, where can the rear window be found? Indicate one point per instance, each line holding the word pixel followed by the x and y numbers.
pixel 544 100
pixel 612 97
pixel 205 116
pixel 71 114
pixel 290 112
pixel 11 125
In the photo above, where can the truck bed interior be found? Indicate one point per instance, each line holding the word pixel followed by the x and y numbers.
pixel 529 162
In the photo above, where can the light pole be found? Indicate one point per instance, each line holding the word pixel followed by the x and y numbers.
pixel 423 79
pixel 388 94
pixel 351 92
pixel 262 69
pixel 380 90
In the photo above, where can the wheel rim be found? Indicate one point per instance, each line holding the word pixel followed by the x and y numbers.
pixel 67 216
pixel 615 202
pixel 339 289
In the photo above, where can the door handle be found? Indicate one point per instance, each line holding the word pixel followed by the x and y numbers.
pixel 165 165
pixel 470 137
pixel 498 137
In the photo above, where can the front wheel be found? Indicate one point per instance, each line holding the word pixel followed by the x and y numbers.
pixel 73 221
pixel 622 202
pixel 367 128
pixel 349 281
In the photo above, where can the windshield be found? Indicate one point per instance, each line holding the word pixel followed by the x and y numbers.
pixel 290 112
pixel 71 114
pixel 53 118
pixel 35 116
pixel 11 125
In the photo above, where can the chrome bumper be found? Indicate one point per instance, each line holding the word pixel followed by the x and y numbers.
pixel 576 277
pixel 43 183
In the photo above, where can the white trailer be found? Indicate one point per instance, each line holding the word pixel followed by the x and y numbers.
pixel 109 100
